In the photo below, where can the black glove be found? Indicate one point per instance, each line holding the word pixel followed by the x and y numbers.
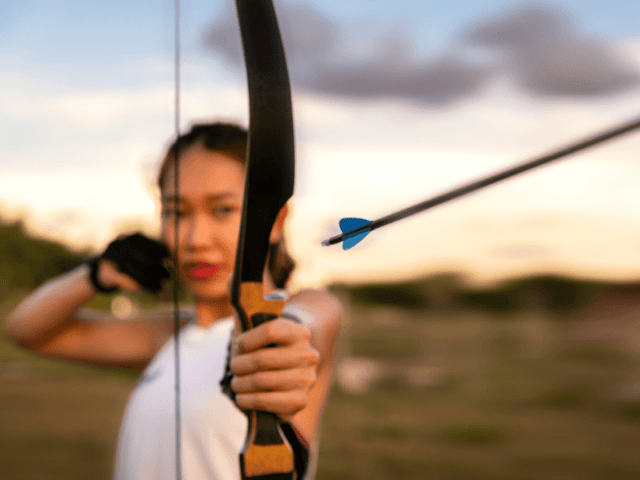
pixel 138 257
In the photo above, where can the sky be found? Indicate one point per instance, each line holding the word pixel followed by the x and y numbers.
pixel 394 102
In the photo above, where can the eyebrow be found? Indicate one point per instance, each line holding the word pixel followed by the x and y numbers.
pixel 209 198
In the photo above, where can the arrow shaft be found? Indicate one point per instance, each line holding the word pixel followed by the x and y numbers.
pixel 490 180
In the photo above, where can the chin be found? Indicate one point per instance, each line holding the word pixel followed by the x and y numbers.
pixel 211 294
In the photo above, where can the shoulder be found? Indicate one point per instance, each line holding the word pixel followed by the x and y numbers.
pixel 316 305
pixel 320 312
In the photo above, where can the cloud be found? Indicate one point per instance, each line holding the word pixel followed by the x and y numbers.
pixel 548 56
pixel 327 56
pixel 539 47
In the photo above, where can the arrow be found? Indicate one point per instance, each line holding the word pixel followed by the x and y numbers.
pixel 354 230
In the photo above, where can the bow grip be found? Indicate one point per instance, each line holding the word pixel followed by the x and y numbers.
pixel 266 455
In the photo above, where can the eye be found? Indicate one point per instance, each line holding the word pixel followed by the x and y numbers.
pixel 223 211
pixel 173 211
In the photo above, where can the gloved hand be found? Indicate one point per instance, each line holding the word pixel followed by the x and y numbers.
pixel 138 257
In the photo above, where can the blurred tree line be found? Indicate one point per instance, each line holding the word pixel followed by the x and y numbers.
pixel 445 292
pixel 27 261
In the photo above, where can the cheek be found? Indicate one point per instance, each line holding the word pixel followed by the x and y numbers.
pixel 168 235
pixel 232 232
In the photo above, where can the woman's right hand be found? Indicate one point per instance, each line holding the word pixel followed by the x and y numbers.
pixel 134 263
pixel 110 277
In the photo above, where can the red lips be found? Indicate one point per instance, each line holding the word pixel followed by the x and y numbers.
pixel 203 271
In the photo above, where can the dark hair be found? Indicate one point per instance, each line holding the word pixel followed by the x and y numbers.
pixel 231 139
pixel 227 138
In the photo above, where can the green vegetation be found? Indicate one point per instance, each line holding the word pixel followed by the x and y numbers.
pixel 26 262
pixel 555 294
pixel 473 434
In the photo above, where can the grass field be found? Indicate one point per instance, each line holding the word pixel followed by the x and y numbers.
pixel 513 398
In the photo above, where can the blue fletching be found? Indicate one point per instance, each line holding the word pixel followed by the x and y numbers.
pixel 349 224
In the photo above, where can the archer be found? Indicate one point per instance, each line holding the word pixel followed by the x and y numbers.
pixel 291 380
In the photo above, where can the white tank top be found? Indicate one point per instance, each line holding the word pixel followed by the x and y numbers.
pixel 213 429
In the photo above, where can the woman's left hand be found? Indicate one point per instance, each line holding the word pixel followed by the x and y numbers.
pixel 274 367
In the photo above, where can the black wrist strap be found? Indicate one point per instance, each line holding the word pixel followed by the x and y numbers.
pixel 93 276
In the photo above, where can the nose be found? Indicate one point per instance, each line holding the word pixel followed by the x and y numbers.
pixel 198 232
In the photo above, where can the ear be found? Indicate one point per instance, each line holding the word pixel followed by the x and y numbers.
pixel 277 232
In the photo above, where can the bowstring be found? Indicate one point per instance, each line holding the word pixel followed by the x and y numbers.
pixel 175 285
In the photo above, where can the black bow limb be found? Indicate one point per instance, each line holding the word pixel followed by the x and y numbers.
pixel 270 170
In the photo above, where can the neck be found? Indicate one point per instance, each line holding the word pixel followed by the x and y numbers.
pixel 210 311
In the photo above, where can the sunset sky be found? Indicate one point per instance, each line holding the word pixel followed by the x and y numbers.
pixel 394 101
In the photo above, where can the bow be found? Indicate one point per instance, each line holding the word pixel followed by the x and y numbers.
pixel 268 185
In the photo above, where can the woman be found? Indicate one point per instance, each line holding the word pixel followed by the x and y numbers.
pixel 291 379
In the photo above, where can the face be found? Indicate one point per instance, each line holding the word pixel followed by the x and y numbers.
pixel 209 206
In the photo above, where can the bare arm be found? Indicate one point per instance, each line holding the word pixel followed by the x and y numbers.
pixel 49 322
pixel 327 312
